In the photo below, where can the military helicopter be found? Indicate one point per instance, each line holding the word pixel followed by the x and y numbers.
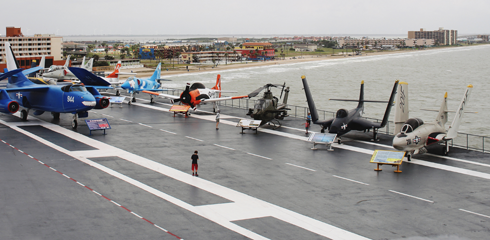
pixel 268 109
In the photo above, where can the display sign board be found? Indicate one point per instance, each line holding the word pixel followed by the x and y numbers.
pixel 180 108
pixel 97 124
pixel 117 99
pixel 246 123
pixel 326 138
pixel 387 157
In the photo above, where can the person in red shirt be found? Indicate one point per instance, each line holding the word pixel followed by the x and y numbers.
pixel 194 158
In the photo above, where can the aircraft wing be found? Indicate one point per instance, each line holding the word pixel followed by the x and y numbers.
pixel 361 124
pixel 10 73
pixel 163 95
pixel 222 99
pixel 150 90
pixel 88 78
pixel 31 88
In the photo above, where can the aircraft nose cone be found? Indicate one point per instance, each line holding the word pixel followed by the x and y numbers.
pixel 399 143
pixel 125 85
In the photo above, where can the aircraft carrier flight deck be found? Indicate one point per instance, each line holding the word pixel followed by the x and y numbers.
pixel 136 182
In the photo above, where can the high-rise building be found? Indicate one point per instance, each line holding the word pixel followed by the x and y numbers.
pixel 441 36
pixel 29 48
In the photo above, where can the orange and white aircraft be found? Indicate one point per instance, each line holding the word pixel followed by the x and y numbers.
pixel 113 78
pixel 194 95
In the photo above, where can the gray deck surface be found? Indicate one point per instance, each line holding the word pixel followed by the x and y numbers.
pixel 37 202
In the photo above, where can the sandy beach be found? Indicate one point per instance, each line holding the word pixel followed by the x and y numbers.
pixel 146 72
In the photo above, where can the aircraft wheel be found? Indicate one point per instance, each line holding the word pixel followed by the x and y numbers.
pixel 339 141
pixel 23 114
pixel 409 157
pixel 151 100
pixel 56 115
pixel 323 130
pixel 133 100
pixel 74 124
pixel 444 150
pixel 118 93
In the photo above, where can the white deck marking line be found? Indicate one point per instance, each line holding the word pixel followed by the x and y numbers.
pixel 107 115
pixel 66 176
pixel 96 193
pixel 407 195
pixel 259 156
pixel 194 138
pixel 81 184
pixel 350 180
pixel 125 120
pixel 145 125
pixel 136 215
pixel 242 206
pixel 167 131
pixel 355 149
pixel 478 214
pixel 309 169
pixel 117 204
pixel 224 147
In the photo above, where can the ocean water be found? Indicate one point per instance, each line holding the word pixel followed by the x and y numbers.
pixel 429 74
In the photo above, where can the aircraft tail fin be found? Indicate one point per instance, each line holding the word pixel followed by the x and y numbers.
pixel 309 99
pixel 42 63
pixel 217 86
pixel 116 71
pixel 286 95
pixel 453 129
pixel 390 104
pixel 83 63
pixel 441 118
pixel 401 106
pixel 156 74
pixel 67 62
pixel 12 64
pixel 361 96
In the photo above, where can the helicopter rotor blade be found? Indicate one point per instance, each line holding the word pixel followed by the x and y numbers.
pixel 282 90
pixel 256 92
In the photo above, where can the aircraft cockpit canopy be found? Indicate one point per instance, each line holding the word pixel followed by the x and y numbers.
pixel 54 68
pixel 197 86
pixel 411 124
pixel 74 88
pixel 260 104
pixel 341 113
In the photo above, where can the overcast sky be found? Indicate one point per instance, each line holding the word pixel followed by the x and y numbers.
pixel 231 17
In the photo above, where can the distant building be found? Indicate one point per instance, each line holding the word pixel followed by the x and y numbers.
pixel 305 47
pixel 412 42
pixel 483 37
pixel 441 36
pixel 209 56
pixel 375 43
pixel 256 50
pixel 29 48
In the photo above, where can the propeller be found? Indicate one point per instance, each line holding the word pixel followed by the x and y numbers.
pixel 269 85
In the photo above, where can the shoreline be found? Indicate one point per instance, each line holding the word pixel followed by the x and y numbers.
pixel 146 72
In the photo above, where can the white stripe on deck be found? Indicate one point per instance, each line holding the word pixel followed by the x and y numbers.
pixel 309 169
pixel 407 195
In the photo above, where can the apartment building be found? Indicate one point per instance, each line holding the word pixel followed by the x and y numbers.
pixel 441 36
pixel 29 48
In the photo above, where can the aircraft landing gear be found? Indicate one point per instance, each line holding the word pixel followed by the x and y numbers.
pixel 23 114
pixel 118 93
pixel 151 99
pixel 74 123
pixel 339 140
pixel 409 155
pixel 322 130
pixel 55 115
pixel 375 135
pixel 445 149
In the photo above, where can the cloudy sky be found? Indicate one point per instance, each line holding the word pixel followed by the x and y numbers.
pixel 231 17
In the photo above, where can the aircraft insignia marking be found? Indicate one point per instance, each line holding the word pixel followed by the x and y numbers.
pixel 19 95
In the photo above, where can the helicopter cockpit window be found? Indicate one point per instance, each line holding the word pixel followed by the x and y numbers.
pixel 65 88
pixel 78 88
pixel 411 124
pixel 260 104
pixel 341 113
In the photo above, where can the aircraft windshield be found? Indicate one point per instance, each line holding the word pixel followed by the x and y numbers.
pixel 78 88
pixel 260 104
pixel 411 124
pixel 341 113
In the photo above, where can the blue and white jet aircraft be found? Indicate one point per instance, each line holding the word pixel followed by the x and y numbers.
pixel 75 99
pixel 136 85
